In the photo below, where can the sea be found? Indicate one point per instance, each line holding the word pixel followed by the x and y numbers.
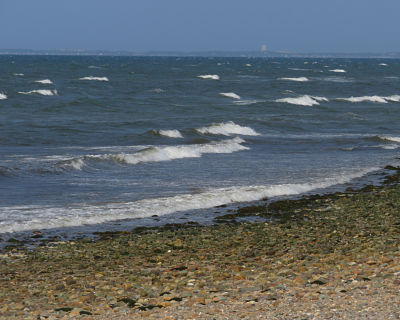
pixel 96 143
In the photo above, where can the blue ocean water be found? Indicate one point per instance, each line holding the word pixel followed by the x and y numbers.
pixel 91 140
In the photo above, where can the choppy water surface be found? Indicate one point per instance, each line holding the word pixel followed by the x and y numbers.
pixel 90 140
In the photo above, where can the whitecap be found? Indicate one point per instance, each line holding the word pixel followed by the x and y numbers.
pixel 45 81
pixel 227 129
pixel 3 96
pixel 95 78
pixel 170 133
pixel 45 217
pixel 383 64
pixel 42 92
pixel 338 70
pixel 18 74
pixel 162 153
pixel 230 95
pixel 246 102
pixel 299 69
pixel 299 79
pixel 305 100
pixel 377 99
pixel 394 98
pixel 209 76
pixel 248 65
pixel 390 138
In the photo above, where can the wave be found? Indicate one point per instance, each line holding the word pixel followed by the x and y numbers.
pixel 383 64
pixel 389 138
pixel 42 92
pixel 3 96
pixel 378 99
pixel 45 81
pixel 227 129
pixel 18 74
pixel 338 70
pixel 95 78
pixel 209 76
pixel 305 100
pixel 299 79
pixel 158 154
pixel 246 102
pixel 299 69
pixel 94 214
pixel 158 90
pixel 337 79
pixel 230 95
pixel 170 133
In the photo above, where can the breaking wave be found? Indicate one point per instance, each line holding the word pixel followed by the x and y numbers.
pixel 230 95
pixel 305 100
pixel 3 96
pixel 389 138
pixel 209 76
pixel 227 129
pixel 299 79
pixel 41 92
pixel 93 214
pixel 45 81
pixel 170 133
pixel 378 99
pixel 165 153
pixel 18 74
pixel 95 78
pixel 383 64
pixel 338 70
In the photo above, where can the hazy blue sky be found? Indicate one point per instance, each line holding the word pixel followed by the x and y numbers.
pixel 197 25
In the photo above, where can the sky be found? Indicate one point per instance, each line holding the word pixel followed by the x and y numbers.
pixel 310 26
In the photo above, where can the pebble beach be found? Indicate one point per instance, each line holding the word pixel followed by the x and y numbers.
pixel 334 256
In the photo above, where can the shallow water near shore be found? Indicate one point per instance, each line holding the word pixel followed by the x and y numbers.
pixel 97 143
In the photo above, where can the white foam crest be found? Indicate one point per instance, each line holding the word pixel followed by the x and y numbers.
pixel 305 100
pixel 248 65
pixel 45 81
pixel 299 69
pixel 338 70
pixel 56 217
pixel 230 95
pixel 164 153
pixel 245 102
pixel 227 129
pixel 95 78
pixel 390 138
pixel 18 74
pixel 337 79
pixel 299 79
pixel 389 146
pixel 42 92
pixel 383 64
pixel 170 133
pixel 209 76
pixel 3 96
pixel 378 99
pixel 394 98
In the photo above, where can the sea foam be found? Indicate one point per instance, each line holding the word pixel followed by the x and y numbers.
pixel 227 129
pixel 45 217
pixel 170 133
pixel 3 96
pixel 95 78
pixel 41 92
pixel 162 153
pixel 299 79
pixel 390 138
pixel 45 81
pixel 305 100
pixel 338 70
pixel 230 95
pixel 377 99
pixel 209 76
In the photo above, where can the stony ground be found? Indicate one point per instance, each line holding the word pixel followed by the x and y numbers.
pixel 330 257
